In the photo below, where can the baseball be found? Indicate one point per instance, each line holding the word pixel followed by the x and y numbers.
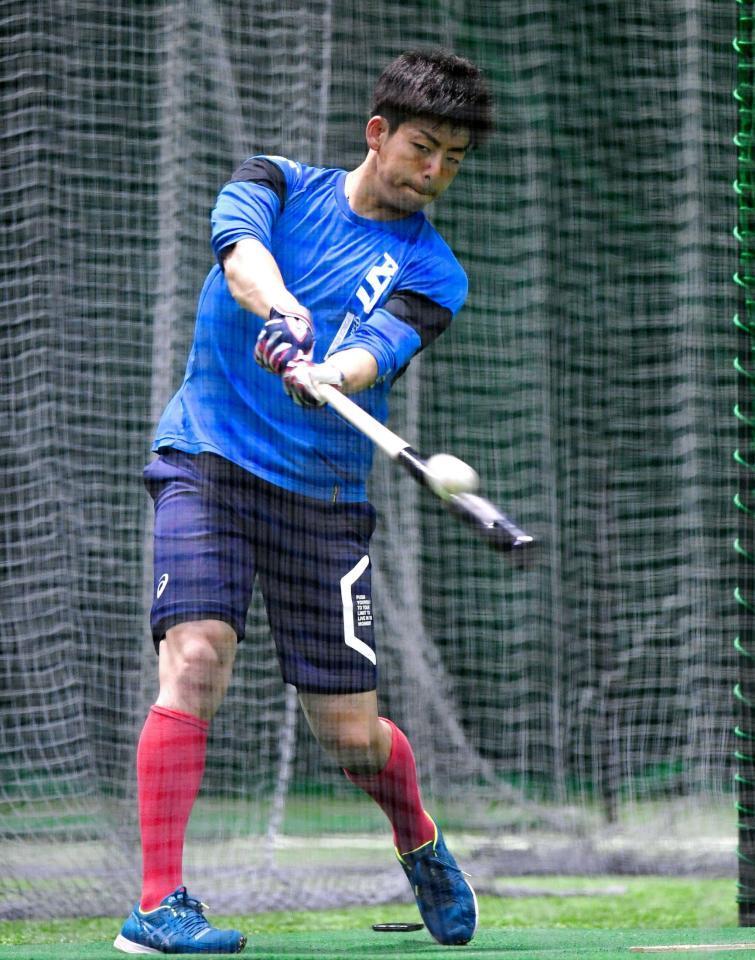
pixel 448 475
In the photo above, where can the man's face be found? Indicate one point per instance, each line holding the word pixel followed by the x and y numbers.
pixel 416 163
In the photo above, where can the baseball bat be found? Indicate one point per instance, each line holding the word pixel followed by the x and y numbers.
pixel 490 523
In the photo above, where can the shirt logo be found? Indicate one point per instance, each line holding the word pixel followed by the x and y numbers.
pixel 374 285
pixel 376 282
pixel 162 584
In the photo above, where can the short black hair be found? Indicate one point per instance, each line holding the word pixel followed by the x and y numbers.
pixel 436 84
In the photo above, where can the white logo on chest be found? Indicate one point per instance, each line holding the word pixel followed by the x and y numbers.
pixel 376 282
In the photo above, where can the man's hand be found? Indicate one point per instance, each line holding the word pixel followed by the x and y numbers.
pixel 287 336
pixel 301 378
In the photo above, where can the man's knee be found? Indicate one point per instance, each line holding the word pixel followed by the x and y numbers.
pixel 204 644
pixel 350 732
pixel 196 660
pixel 349 738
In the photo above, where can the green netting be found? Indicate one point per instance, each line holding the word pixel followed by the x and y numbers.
pixel 560 714
pixel 743 322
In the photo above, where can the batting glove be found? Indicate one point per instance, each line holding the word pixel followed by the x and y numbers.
pixel 286 336
pixel 302 377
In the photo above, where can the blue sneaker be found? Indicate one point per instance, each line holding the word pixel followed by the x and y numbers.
pixel 178 925
pixel 446 901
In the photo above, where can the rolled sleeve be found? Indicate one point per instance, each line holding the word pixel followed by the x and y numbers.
pixel 243 210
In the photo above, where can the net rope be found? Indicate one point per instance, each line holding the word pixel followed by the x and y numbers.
pixel 560 715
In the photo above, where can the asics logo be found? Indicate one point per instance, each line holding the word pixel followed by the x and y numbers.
pixel 376 282
pixel 162 584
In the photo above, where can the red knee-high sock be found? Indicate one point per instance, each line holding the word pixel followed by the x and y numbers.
pixel 396 791
pixel 169 766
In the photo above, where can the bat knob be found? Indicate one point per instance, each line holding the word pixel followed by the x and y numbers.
pixel 521 551
pixel 519 545
pixel 500 533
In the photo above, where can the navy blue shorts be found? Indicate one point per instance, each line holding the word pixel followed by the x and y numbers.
pixel 218 528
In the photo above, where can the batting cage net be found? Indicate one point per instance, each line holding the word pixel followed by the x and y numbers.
pixel 563 715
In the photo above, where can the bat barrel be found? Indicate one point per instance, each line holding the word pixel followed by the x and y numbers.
pixel 414 464
pixel 494 527
pixel 498 530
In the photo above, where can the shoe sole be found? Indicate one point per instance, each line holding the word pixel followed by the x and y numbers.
pixel 128 946
pixel 476 911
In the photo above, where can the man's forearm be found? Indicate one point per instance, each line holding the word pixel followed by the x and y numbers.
pixel 256 284
pixel 254 280
pixel 358 366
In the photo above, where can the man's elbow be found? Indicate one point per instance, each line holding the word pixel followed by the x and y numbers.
pixel 228 263
pixel 234 276
pixel 359 368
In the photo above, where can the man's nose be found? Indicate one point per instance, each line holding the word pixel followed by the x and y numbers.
pixel 433 166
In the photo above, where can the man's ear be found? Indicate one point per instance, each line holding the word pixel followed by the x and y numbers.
pixel 377 132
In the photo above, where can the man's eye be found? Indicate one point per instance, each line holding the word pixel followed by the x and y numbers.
pixel 454 161
pixel 422 148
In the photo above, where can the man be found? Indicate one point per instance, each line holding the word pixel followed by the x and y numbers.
pixel 330 277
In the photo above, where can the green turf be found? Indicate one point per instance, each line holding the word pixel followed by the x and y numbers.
pixel 529 944
pixel 582 918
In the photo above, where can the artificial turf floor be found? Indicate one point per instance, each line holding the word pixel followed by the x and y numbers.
pixel 511 944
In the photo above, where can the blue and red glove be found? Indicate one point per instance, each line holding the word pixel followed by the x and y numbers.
pixel 286 336
pixel 300 380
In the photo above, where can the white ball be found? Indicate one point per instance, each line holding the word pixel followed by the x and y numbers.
pixel 448 475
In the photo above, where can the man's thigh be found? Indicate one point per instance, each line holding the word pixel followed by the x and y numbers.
pixel 203 564
pixel 317 588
